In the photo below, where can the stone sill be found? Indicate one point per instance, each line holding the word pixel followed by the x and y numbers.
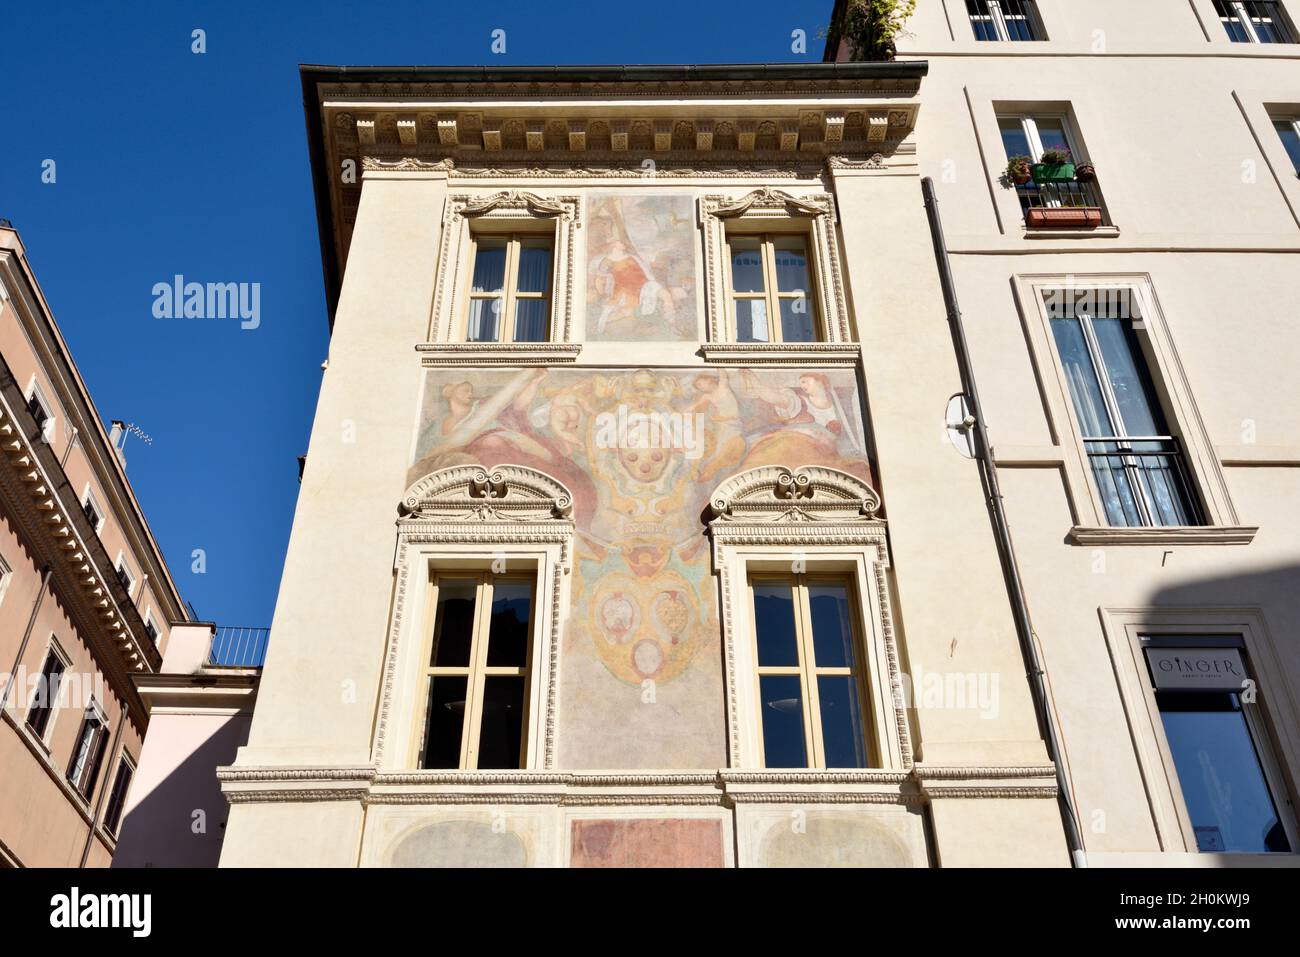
pixel 781 353
pixel 1098 232
pixel 497 353
pixel 1165 535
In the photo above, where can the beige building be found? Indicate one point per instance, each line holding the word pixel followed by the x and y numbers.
pixel 86 601
pixel 646 519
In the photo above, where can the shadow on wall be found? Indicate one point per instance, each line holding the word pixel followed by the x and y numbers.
pixel 182 821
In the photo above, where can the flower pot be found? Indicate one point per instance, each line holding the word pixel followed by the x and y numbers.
pixel 1085 173
pixel 1053 173
pixel 1020 175
pixel 1063 217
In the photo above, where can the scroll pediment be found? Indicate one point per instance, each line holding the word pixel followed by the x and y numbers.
pixel 813 493
pixel 512 493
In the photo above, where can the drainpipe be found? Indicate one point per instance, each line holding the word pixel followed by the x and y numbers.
pixel 1002 532
pixel 22 646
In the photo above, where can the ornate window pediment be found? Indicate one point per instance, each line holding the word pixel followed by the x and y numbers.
pixel 506 493
pixel 776 494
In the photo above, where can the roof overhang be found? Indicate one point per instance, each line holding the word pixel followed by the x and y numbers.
pixel 476 121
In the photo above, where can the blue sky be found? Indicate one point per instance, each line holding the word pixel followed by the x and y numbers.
pixel 170 162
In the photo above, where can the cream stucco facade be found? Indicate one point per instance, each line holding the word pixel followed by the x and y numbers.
pixel 645 737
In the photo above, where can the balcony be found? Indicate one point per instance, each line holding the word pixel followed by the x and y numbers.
pixel 1061 205
pixel 238 647
pixel 1143 481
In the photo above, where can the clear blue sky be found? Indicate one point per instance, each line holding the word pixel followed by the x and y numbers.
pixel 170 162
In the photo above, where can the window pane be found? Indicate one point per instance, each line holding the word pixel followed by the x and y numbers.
pixel 832 633
pixel 1052 133
pixel 444 720
pixel 117 799
pixel 530 320
pixel 843 730
pixel 774 625
pixel 47 692
pixel 1084 388
pixel 1267 19
pixel 1218 768
pixel 1127 369
pixel 534 268
pixel 1291 140
pixel 453 627
pixel 484 316
pixel 508 631
pixel 797 320
pixel 782 707
pixel 1013 137
pixel 791 268
pixel 489 268
pixel 751 321
pixel 747 270
pixel 501 733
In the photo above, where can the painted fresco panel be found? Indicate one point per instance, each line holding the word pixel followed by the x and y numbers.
pixel 641 268
pixel 641 666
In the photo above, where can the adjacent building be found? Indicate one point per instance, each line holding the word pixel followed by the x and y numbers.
pixel 86 601
pixel 651 516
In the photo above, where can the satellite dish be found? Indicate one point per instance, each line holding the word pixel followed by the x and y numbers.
pixel 961 425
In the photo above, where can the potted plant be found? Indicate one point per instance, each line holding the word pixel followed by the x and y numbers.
pixel 870 27
pixel 1020 170
pixel 1055 166
pixel 1085 173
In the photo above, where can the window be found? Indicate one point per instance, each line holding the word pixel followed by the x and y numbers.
pixel 809 677
pixel 117 797
pixel 89 751
pixel 1065 195
pixel 477 672
pixel 1289 131
pixel 150 628
pixel 6 576
pixel 39 407
pixel 1136 463
pixel 1216 744
pixel 91 510
pixel 511 280
pixel 124 574
pixel 770 276
pixel 45 699
pixel 1254 21
pixel 1004 20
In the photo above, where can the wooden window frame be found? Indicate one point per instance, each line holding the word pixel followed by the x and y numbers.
pixel 46 734
pixel 509 294
pixel 477 671
pixel 767 244
pixel 807 670
pixel 97 752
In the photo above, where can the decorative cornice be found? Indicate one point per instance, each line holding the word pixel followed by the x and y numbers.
pixel 1165 535
pixel 792 354
pixel 470 354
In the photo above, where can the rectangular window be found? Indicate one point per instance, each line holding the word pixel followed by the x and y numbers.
pixel 1289 131
pixel 117 797
pixel 476 699
pixel 46 696
pixel 1254 21
pixel 91 510
pixel 771 276
pixel 150 628
pixel 1059 188
pixel 1136 463
pixel 38 406
pixel 88 754
pixel 810 679
pixel 6 576
pixel 1215 743
pixel 124 574
pixel 1004 20
pixel 510 289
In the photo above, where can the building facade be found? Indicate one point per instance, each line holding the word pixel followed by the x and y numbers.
pixel 86 600
pixel 646 520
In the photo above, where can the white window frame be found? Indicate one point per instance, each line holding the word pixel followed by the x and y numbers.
pixel 1294 121
pixel 1239 13
pixel 123 758
pixel 34 390
pixel 148 621
pixel 999 21
pixel 123 565
pixel 768 243
pixel 89 496
pixel 464 518
pixel 6 576
pixel 52 648
pixel 74 779
pixel 510 294
pixel 1271 720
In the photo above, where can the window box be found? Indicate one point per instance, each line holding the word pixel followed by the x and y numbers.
pixel 1052 173
pixel 1063 217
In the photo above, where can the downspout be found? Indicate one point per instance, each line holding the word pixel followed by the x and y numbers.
pixel 22 647
pixel 1002 532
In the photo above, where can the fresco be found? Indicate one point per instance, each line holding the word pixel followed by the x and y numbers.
pixel 641 450
pixel 641 268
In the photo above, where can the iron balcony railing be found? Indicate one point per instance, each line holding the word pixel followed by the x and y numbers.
pixel 1064 195
pixel 1143 481
pixel 238 647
